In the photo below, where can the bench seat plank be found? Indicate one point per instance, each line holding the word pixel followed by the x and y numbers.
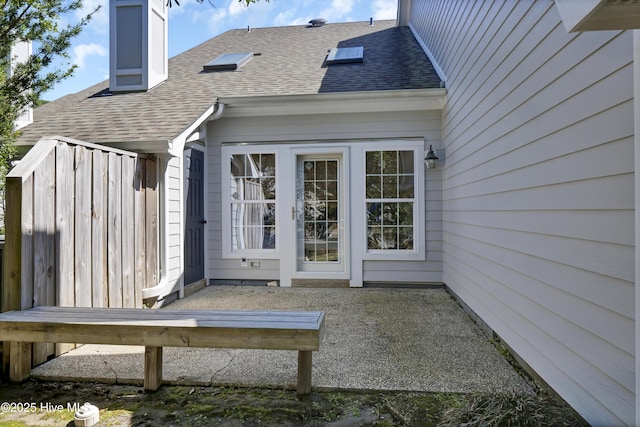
pixel 130 314
pixel 172 328
pixel 154 329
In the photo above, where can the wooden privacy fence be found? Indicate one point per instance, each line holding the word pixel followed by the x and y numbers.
pixel 81 230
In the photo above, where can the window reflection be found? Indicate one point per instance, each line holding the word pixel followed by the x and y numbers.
pixel 390 183
pixel 320 200
pixel 253 201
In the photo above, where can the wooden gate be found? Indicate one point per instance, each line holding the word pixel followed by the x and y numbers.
pixel 81 230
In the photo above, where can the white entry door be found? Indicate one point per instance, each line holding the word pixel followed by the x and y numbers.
pixel 320 215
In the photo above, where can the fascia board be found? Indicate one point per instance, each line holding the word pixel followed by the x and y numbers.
pixel 160 146
pixel 336 103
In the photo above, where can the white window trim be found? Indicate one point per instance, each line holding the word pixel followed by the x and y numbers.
pixel 357 186
pixel 419 214
pixel 342 150
pixel 225 158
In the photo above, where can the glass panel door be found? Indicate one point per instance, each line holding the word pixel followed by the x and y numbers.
pixel 319 214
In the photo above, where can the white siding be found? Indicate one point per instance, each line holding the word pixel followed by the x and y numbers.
pixel 330 127
pixel 538 188
pixel 174 222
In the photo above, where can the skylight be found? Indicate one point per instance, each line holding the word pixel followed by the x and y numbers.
pixel 228 62
pixel 345 55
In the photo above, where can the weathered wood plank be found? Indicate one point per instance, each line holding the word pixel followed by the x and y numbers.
pixel 65 235
pixel 128 232
pixel 36 317
pixel 152 367
pixel 27 225
pixel 65 219
pixel 33 159
pixel 114 231
pixel 304 372
pixel 158 334
pixel 17 292
pixel 20 356
pixel 99 266
pixel 18 246
pixel 151 234
pixel 175 328
pixel 140 275
pixel 83 227
pixel 60 246
pixel 176 320
pixel 315 317
pixel 11 269
pixel 44 241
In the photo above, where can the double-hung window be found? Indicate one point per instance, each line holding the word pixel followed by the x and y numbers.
pixel 393 203
pixel 249 196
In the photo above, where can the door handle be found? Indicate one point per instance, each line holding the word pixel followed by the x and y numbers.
pixel 204 221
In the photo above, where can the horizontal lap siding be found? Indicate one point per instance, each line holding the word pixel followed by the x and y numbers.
pixel 430 270
pixel 174 222
pixel 538 219
pixel 330 127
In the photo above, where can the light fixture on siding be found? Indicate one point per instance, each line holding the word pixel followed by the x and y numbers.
pixel 431 160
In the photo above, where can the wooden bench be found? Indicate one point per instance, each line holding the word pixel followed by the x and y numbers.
pixel 154 329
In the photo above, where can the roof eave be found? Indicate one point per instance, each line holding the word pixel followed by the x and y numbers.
pixel 156 146
pixel 336 102
pixel 173 146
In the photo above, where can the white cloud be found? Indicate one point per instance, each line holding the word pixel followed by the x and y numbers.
pixel 81 52
pixel 283 18
pixel 384 9
pixel 100 20
pixel 338 10
pixel 342 7
pixel 300 20
pixel 236 7
pixel 179 10
pixel 215 20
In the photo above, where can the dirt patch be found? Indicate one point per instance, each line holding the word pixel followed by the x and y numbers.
pixel 37 403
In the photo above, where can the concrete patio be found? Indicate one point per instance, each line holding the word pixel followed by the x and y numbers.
pixel 377 339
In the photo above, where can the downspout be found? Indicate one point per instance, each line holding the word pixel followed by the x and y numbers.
pixel 217 113
pixel 161 288
pixel 636 149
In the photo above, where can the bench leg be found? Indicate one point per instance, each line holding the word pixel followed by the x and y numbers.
pixel 19 361
pixel 304 373
pixel 152 367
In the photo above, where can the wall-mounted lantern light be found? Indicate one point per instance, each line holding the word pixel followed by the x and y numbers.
pixel 431 160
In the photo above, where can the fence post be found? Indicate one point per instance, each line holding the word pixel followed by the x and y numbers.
pixel 11 270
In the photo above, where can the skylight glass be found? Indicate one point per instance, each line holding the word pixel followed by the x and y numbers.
pixel 228 62
pixel 345 55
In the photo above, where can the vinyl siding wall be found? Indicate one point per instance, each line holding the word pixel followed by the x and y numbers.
pixel 538 190
pixel 329 128
pixel 174 221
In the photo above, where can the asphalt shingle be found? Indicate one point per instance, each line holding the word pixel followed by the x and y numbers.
pixel 288 61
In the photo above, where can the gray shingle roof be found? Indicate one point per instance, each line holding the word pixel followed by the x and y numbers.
pixel 290 62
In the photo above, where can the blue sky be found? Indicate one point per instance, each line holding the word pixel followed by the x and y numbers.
pixel 192 23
